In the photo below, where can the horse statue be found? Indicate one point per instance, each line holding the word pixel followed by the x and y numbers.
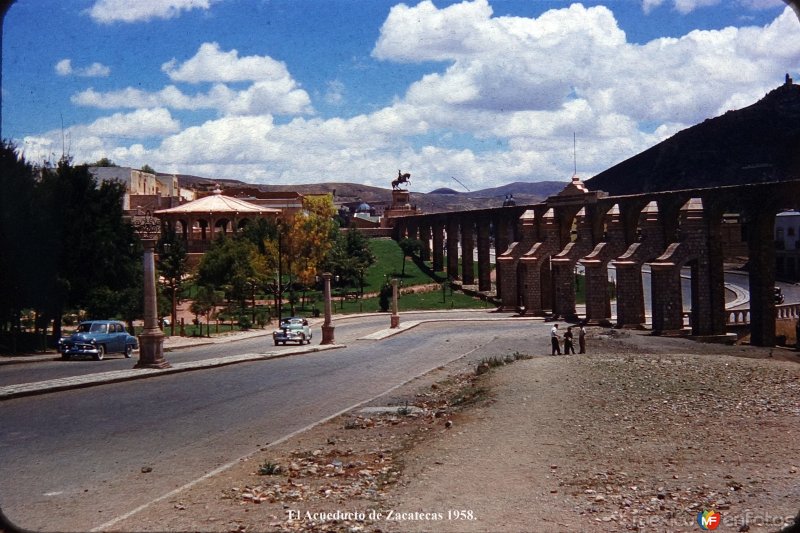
pixel 401 178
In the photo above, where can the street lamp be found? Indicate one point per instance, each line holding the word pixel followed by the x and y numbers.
pixel 151 341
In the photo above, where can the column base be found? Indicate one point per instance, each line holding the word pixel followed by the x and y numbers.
pixel 151 350
pixel 327 334
pixel 394 322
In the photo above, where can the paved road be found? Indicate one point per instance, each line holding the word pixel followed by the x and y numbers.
pixel 76 457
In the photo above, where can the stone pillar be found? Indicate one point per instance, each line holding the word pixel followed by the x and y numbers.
pixel 761 245
pixel 452 247
pixel 395 319
pixel 484 260
pixel 501 244
pixel 667 298
pixel 630 294
pixel 598 300
pixel 327 325
pixel 151 340
pixel 438 246
pixel 467 251
pixel 648 246
pixel 564 272
pixel 425 239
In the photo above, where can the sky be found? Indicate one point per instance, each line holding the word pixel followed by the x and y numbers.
pixel 465 95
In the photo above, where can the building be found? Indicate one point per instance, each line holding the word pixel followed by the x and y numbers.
pixel 144 191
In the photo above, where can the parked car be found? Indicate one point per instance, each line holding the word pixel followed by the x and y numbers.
pixel 97 338
pixel 778 296
pixel 292 329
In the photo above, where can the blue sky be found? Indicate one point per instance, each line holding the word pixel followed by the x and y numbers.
pixel 308 91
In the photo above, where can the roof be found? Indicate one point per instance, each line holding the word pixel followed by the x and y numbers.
pixel 218 203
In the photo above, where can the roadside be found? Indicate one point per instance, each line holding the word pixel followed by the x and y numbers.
pixel 642 434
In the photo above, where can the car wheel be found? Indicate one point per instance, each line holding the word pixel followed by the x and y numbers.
pixel 128 351
pixel 276 343
pixel 101 352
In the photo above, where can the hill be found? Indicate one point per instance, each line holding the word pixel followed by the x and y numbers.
pixel 758 143
pixel 432 202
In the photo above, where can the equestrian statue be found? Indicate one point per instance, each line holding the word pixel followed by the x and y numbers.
pixel 401 178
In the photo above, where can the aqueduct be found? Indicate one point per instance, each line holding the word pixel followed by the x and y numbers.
pixel 539 246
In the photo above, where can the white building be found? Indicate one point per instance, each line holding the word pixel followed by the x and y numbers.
pixel 145 188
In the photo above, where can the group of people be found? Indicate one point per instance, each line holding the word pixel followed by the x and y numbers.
pixel 569 346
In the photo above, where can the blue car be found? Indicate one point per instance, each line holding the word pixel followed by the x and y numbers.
pixel 97 338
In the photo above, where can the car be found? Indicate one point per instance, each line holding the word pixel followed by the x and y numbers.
pixel 98 338
pixel 292 329
pixel 778 296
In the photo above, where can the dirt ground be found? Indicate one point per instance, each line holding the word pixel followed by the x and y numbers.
pixel 641 434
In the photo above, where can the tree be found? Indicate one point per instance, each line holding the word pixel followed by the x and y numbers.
pixel 104 162
pixel 172 267
pixel 148 169
pixel 18 245
pixel 235 263
pixel 307 237
pixel 93 249
pixel 350 257
pixel 409 247
pixel 203 305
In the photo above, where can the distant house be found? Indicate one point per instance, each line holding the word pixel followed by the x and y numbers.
pixel 144 191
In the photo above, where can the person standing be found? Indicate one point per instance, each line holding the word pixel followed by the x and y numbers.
pixel 568 345
pixel 582 339
pixel 554 340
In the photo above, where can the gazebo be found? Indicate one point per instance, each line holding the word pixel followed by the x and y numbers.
pixel 199 221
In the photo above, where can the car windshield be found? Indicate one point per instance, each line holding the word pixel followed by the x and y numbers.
pixel 93 327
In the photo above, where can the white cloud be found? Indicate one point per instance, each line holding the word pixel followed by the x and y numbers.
pixel 273 90
pixel 140 123
pixel 109 11
pixel 213 65
pixel 511 91
pixel 95 70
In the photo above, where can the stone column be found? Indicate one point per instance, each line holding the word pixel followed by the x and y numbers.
pixel 467 252
pixel 452 247
pixel 760 242
pixel 501 243
pixel 667 298
pixel 438 246
pixel 425 239
pixel 630 294
pixel 151 340
pixel 327 326
pixel 484 259
pixel 395 320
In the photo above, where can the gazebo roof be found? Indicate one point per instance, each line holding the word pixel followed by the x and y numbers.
pixel 218 203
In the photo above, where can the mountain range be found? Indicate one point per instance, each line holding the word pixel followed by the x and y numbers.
pixel 758 143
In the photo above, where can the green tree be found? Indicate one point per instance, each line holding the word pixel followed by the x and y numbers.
pixel 17 240
pixel 409 247
pixel 350 257
pixel 93 249
pixel 206 300
pixel 235 263
pixel 149 169
pixel 172 268
pixel 104 162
